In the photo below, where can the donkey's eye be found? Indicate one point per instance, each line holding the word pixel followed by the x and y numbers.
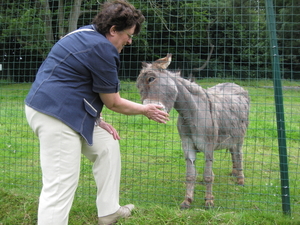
pixel 151 79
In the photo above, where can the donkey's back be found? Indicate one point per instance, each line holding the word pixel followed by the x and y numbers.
pixel 230 110
pixel 228 88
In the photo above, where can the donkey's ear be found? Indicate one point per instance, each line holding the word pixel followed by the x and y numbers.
pixel 144 64
pixel 163 63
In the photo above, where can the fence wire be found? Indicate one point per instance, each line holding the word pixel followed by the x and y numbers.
pixel 212 41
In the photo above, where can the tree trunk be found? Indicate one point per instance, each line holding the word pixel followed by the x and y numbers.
pixel 74 15
pixel 61 17
pixel 48 21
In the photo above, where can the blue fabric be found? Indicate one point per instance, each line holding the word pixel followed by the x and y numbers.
pixel 67 85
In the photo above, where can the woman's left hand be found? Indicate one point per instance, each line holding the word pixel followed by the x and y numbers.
pixel 109 128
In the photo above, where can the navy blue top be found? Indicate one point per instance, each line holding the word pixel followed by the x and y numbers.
pixel 67 85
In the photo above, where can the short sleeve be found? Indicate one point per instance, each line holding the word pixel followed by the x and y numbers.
pixel 103 62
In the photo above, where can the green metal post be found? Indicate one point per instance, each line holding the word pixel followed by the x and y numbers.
pixel 285 192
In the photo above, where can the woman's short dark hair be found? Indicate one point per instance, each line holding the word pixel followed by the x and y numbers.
pixel 118 13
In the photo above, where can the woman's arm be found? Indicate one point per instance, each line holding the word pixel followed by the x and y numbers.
pixel 114 102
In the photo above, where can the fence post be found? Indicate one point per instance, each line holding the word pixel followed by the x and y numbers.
pixel 271 25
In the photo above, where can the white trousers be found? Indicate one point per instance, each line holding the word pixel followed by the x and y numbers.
pixel 60 154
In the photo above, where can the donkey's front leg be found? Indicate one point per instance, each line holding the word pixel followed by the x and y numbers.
pixel 191 176
pixel 208 177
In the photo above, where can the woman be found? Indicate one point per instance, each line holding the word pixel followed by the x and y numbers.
pixel 64 105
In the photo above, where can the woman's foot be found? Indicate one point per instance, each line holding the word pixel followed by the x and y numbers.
pixel 123 212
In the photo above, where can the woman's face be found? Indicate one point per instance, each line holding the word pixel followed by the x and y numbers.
pixel 120 38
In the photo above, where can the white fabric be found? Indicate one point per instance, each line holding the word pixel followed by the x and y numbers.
pixel 76 31
pixel 60 154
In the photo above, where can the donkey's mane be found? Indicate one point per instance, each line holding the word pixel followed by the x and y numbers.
pixel 192 87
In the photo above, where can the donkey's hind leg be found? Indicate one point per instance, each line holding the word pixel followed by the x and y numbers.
pixel 237 163
pixel 208 175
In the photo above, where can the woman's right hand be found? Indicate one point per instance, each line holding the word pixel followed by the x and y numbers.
pixel 155 112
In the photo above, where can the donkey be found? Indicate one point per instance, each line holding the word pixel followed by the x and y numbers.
pixel 208 120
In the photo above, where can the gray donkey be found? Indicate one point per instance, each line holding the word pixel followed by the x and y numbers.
pixel 212 119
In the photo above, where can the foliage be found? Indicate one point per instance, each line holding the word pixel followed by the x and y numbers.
pixel 288 26
pixel 237 28
pixel 241 39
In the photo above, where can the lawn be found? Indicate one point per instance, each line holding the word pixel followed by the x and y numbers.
pixel 153 166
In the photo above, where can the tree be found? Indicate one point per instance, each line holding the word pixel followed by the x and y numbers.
pixel 31 27
pixel 177 27
pixel 288 26
pixel 237 29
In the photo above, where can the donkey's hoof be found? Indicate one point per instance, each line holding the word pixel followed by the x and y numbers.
pixel 209 201
pixel 240 181
pixel 209 204
pixel 184 206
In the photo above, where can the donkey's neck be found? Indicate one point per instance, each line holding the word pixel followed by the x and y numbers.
pixel 191 97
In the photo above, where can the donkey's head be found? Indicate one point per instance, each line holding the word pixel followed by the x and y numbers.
pixel 158 85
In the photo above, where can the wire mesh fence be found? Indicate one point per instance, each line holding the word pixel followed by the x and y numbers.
pixel 212 41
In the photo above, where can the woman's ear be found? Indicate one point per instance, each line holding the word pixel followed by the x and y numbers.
pixel 112 30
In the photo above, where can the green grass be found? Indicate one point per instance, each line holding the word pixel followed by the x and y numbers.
pixel 20 209
pixel 153 167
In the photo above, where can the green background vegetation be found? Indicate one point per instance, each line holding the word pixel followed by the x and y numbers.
pixel 237 29
pixel 153 166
